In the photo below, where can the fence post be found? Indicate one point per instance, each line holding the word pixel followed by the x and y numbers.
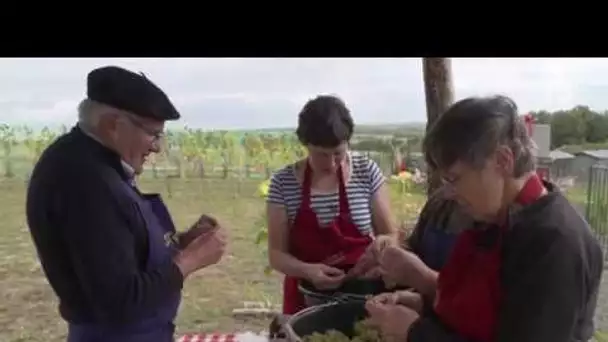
pixel 439 93
pixel 589 187
pixel 596 206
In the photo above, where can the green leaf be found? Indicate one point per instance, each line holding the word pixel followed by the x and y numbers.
pixel 261 236
pixel 267 270
pixel 601 336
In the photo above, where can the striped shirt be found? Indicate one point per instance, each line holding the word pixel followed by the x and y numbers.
pixel 366 178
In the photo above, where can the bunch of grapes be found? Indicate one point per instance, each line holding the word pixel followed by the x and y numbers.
pixel 363 333
pixel 329 336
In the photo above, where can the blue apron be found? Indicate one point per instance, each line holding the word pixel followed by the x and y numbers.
pixel 158 326
pixel 436 246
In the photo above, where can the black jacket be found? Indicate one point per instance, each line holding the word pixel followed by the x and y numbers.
pixel 551 272
pixel 91 242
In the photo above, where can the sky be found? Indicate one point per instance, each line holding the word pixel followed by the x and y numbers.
pixel 223 93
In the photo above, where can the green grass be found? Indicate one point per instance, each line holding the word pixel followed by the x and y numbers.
pixel 29 312
pixel 601 337
pixel 577 194
pixel 29 308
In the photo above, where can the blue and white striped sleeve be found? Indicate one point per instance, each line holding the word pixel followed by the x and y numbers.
pixel 275 190
pixel 376 178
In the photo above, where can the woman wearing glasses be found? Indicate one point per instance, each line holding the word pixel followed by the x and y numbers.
pixel 528 270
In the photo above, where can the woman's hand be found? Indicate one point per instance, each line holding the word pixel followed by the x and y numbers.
pixel 394 321
pixel 406 269
pixel 368 264
pixel 407 298
pixel 388 298
pixel 324 277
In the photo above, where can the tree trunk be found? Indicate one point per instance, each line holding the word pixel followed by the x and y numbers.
pixel 439 93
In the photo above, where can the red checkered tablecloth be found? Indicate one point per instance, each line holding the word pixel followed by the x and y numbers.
pixel 217 337
pixel 207 338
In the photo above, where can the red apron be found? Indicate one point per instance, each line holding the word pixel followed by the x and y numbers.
pixel 312 243
pixel 469 287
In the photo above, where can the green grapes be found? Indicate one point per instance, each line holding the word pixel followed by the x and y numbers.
pixel 329 336
pixel 363 333
pixel 366 333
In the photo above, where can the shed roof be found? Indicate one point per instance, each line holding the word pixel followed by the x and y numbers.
pixel 597 154
pixel 558 154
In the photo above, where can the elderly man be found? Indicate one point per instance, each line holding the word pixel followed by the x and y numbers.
pixel 109 251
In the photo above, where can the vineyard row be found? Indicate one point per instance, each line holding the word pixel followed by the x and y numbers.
pixel 186 153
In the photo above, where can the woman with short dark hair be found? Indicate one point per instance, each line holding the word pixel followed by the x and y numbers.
pixel 530 269
pixel 323 211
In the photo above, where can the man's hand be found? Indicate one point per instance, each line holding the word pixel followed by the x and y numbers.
pixel 203 225
pixel 206 249
pixel 393 320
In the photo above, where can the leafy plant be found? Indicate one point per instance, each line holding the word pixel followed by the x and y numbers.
pixel 261 235
pixel 601 336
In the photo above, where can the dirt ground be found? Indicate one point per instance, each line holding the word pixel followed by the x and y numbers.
pixel 29 309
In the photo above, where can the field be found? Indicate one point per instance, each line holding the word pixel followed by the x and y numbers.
pixel 218 173
pixel 29 310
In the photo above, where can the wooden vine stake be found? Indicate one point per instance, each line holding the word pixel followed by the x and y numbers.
pixel 439 93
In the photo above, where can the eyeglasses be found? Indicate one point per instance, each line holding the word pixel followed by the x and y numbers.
pixel 154 134
pixel 451 180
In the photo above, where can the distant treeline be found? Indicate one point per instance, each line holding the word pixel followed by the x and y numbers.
pixel 577 126
pixel 572 130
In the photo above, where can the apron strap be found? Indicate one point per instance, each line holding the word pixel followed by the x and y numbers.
pixel 306 185
pixel 531 191
pixel 343 195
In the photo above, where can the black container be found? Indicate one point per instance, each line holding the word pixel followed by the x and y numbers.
pixel 351 290
pixel 321 318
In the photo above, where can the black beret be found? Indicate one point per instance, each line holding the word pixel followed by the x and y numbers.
pixel 126 90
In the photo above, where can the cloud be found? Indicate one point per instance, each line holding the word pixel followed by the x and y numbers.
pixel 230 92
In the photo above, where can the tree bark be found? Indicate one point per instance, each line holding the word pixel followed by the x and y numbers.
pixel 439 93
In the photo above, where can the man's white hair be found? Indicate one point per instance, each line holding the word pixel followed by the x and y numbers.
pixel 90 113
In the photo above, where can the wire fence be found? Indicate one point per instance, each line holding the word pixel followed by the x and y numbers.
pixel 596 209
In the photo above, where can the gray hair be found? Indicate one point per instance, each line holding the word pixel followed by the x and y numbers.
pixel 90 113
pixel 473 128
